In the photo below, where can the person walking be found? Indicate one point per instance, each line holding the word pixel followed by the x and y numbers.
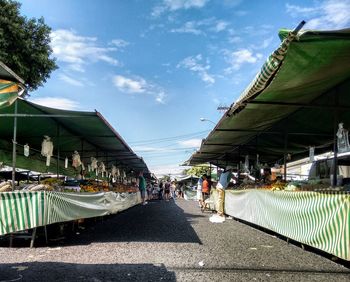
pixel 167 191
pixel 142 188
pixel 160 190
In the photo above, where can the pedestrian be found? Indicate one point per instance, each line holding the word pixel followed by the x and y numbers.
pixel 205 190
pixel 142 188
pixel 182 189
pixel 199 191
pixel 224 180
pixel 173 189
pixel 149 191
pixel 160 190
pixel 167 191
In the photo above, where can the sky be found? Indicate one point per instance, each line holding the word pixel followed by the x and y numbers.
pixel 154 68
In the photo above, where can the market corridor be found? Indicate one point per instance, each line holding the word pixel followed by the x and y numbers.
pixel 167 241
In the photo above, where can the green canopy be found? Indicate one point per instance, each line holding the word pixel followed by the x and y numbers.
pixel 10 86
pixel 295 101
pixel 86 132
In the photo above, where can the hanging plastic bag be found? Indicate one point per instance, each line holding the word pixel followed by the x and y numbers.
pixel 26 150
pixel 102 168
pixel 47 149
pixel 66 162
pixel 342 139
pixel 114 171
pixel 312 154
pixel 246 164
pixel 76 162
pixel 94 164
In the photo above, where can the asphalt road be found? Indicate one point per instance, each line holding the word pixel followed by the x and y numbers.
pixel 167 241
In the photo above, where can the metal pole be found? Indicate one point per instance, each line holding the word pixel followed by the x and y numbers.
pixel 58 150
pixel 285 156
pixel 14 142
pixel 335 145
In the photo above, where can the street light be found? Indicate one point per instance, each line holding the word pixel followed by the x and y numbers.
pixel 205 119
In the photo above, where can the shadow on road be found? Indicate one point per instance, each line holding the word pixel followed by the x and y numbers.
pixel 158 221
pixel 54 271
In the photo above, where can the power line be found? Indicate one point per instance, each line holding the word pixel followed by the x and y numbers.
pixel 169 138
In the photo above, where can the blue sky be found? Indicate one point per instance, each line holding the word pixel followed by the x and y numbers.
pixel 154 68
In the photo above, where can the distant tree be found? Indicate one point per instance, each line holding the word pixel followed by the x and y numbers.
pixel 25 45
pixel 198 170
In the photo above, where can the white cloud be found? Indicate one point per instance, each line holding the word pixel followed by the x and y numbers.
pixel 237 58
pixel 330 14
pixel 148 149
pixel 200 27
pixel 138 85
pixel 195 64
pixel 174 5
pixel 70 80
pixel 160 98
pixel 190 143
pixel 129 85
pixel 220 26
pixel 235 39
pixel 56 102
pixel 77 51
pixel 241 13
pixel 188 27
pixel 173 169
pixel 266 43
pixel 295 10
pixel 119 43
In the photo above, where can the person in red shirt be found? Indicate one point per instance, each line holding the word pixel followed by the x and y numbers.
pixel 205 189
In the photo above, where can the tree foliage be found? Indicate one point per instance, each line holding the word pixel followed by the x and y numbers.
pixel 198 170
pixel 25 45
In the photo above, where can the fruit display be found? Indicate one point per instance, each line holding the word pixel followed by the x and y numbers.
pixel 294 186
pixel 125 188
pixel 5 187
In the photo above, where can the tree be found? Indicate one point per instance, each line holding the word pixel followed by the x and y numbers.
pixel 198 170
pixel 25 45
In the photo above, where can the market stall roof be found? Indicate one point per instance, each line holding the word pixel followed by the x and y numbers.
pixel 299 96
pixel 86 132
pixel 7 73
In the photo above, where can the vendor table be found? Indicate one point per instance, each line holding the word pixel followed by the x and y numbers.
pixel 25 210
pixel 320 220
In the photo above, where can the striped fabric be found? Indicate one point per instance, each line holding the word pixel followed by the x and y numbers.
pixel 8 92
pixel 26 210
pixel 21 211
pixel 268 69
pixel 315 219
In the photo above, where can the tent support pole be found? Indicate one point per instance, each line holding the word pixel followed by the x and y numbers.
pixel 257 159
pixel 239 164
pixel 14 142
pixel 81 158
pixel 58 150
pixel 285 156
pixel 335 147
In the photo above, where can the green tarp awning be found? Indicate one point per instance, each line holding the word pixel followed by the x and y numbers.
pixel 86 132
pixel 10 85
pixel 301 97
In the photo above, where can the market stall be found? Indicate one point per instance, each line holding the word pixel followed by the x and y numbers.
pixel 26 210
pixel 296 105
pixel 89 169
